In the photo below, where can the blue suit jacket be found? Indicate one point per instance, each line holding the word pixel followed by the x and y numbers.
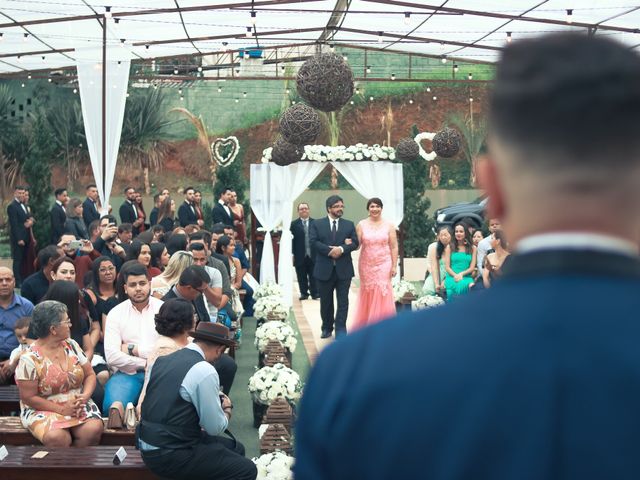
pixel 535 378
pixel 320 239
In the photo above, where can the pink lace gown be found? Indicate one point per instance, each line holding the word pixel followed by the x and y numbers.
pixel 375 299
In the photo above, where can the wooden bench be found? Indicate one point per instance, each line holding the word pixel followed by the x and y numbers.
pixel 13 433
pixel 9 400
pixel 73 462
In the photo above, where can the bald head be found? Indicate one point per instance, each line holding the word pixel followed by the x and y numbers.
pixel 7 284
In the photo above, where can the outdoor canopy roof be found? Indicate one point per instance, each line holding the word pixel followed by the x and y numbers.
pixel 41 35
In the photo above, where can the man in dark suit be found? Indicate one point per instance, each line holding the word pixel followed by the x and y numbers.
pixel 90 207
pixel 129 211
pixel 548 383
pixel 58 215
pixel 19 223
pixel 302 252
pixel 187 211
pixel 221 212
pixel 333 239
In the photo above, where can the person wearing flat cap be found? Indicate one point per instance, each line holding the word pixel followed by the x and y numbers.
pixel 184 414
pixel 333 239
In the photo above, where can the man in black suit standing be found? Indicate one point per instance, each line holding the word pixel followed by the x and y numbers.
pixel 129 211
pixel 90 210
pixel 221 212
pixel 58 214
pixel 187 211
pixel 333 239
pixel 302 252
pixel 19 222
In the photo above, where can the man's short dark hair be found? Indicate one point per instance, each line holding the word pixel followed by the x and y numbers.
pixel 194 276
pixel 218 228
pixel 59 191
pixel 126 189
pixel 186 189
pixel 568 97
pixel 134 270
pixel 50 252
pixel 20 187
pixel 125 227
pixel 91 185
pixel 111 219
pixel 156 197
pixel 195 246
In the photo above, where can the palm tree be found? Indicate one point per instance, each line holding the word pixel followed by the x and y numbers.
pixel 13 144
pixel 145 138
pixel 203 138
pixel 474 133
pixel 67 127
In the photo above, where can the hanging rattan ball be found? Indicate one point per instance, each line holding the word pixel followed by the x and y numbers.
pixel 325 82
pixel 300 124
pixel 407 150
pixel 446 143
pixel 285 153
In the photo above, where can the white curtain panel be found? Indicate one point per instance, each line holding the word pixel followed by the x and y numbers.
pixel 378 179
pixel 267 196
pixel 296 179
pixel 89 65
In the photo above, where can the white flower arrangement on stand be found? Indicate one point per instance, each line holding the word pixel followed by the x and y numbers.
pixel 274 466
pixel 268 289
pixel 269 383
pixel 428 301
pixel 341 153
pixel 280 331
pixel 273 305
pixel 401 288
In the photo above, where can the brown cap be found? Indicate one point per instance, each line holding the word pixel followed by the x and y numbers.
pixel 213 332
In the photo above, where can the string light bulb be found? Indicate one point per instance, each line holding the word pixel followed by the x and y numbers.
pixel 380 37
pixel 199 69
pixel 357 91
pixel 393 76
pixel 411 101
pixel 371 99
pixel 435 98
pixel 471 99
pixel 175 71
pixel 569 16
pixel 219 89
pixel 351 102
pixel 236 100
pixel 107 13
pixel 471 76
pixel 332 47
pixel 181 98
pixel 75 90
pixel 179 91
pixel 244 94
pixel 407 18
pixel 24 38
pixel 252 19
pixel 22 85
pixel 455 68
pixel 19 59
pixel 29 77
pixel 444 59
pixel 345 58
pixel 248 32
pixel 509 37
pixel 1 36
pixel 49 80
pixel 368 68
pixel 428 89
pixel 287 91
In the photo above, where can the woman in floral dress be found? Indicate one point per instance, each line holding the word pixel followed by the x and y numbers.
pixel 56 382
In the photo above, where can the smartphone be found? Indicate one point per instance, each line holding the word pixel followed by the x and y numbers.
pixel 75 244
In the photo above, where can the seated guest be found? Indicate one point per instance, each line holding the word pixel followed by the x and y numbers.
pixel 157 234
pixel 129 336
pixel 63 268
pixel 56 382
pixel 82 257
pixel 21 331
pixel 183 398
pixel 459 262
pixel 193 282
pixel 106 244
pixel 12 308
pixel 178 262
pixel 125 235
pixel 477 237
pixel 75 223
pixel 213 295
pixel 484 247
pixel 159 256
pixel 177 241
pixel 142 252
pixel 494 261
pixel 35 286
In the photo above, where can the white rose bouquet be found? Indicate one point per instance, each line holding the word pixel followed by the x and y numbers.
pixel 341 153
pixel 274 466
pixel 279 331
pixel 272 304
pixel 428 301
pixel 269 383
pixel 268 289
pixel 402 287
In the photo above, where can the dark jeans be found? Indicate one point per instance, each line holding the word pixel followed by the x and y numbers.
pixel 216 457
pixel 226 368
pixel 248 301
pixel 306 280
pixel 18 253
pixel 326 288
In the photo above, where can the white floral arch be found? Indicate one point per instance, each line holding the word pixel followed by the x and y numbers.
pixel 274 189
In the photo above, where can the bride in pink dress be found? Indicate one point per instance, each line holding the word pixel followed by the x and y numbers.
pixel 377 266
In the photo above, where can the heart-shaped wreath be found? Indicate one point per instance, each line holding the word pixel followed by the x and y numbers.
pixel 425 136
pixel 221 145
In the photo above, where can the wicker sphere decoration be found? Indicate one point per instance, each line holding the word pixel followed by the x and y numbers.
pixel 300 124
pixel 325 82
pixel 407 150
pixel 446 143
pixel 285 153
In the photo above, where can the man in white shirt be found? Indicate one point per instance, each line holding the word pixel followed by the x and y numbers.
pixel 129 336
pixel 485 244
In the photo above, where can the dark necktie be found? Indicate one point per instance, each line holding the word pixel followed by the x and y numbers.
pixel 307 246
pixel 334 229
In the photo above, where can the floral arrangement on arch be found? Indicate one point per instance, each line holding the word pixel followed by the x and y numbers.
pixel 267 289
pixel 280 331
pixel 274 466
pixel 269 383
pixel 427 301
pixel 357 152
pixel 401 288
pixel 273 305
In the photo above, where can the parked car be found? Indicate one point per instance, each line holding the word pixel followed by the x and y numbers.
pixel 472 213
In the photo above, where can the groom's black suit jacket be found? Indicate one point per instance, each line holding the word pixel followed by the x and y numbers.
pixel 321 242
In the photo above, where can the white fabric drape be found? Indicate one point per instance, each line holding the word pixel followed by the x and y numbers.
pixel 89 65
pixel 296 179
pixel 378 179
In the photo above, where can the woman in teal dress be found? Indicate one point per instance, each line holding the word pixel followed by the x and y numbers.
pixel 434 283
pixel 459 262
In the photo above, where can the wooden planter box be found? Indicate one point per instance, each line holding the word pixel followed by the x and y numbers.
pixel 274 353
pixel 405 302
pixel 276 438
pixel 280 412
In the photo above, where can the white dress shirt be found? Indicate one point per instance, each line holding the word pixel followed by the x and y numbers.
pixel 126 324
pixel 576 241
